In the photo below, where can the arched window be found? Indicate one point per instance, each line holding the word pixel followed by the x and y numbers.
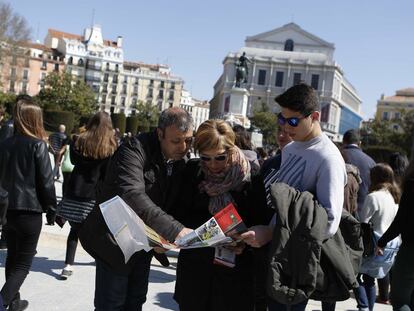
pixel 70 60
pixel 80 62
pixel 289 45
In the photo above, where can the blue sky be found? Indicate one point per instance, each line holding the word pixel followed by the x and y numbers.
pixel 373 38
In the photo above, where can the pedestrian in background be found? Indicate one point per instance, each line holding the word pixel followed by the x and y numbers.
pixel 399 164
pixel 380 208
pixel 89 154
pixel 57 148
pixel 26 174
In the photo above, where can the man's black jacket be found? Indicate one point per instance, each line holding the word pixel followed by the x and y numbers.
pixel 137 173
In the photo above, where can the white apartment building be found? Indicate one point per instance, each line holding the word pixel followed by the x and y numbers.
pixel 199 109
pixel 281 58
pixel 118 84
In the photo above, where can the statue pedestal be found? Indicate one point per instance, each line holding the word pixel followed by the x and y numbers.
pixel 238 105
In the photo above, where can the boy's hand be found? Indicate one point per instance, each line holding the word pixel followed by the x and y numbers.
pixel 257 236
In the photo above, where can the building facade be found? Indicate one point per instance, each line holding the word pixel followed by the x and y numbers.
pixel 391 108
pixel 118 84
pixel 281 58
pixel 199 109
pixel 23 67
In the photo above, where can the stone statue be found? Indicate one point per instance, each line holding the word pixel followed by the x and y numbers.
pixel 242 70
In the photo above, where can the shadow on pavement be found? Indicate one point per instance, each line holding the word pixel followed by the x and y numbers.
pixel 157 276
pixel 165 301
pixel 45 265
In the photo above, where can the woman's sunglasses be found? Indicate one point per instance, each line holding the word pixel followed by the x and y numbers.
pixel 294 121
pixel 219 158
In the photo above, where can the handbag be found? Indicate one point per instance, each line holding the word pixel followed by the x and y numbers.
pixel 74 210
pixel 67 166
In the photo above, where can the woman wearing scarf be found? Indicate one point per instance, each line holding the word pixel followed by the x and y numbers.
pixel 221 175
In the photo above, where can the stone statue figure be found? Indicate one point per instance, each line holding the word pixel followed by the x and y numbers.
pixel 242 70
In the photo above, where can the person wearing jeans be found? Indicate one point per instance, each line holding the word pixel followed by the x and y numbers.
pixel 122 292
pixel 26 174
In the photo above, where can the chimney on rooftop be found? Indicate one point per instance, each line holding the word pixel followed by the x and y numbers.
pixel 119 41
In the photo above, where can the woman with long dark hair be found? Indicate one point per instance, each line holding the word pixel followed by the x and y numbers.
pixel 402 283
pixel 26 174
pixel 89 154
pixel 380 208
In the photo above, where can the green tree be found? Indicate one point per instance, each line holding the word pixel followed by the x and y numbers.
pixel 408 127
pixel 147 115
pixel 380 134
pixel 7 101
pixel 266 121
pixel 62 93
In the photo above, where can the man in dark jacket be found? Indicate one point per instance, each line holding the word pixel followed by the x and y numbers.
pixel 145 172
pixel 354 155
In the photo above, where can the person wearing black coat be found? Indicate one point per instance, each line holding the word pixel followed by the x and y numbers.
pixel 26 174
pixel 202 284
pixel 89 154
pixel 354 155
pixel 145 172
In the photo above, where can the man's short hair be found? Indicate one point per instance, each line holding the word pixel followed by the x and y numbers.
pixel 301 98
pixel 351 137
pixel 175 116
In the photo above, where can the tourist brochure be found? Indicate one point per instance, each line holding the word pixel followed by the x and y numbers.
pixel 133 235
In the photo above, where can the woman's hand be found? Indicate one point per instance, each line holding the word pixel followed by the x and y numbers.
pixel 237 248
pixel 379 251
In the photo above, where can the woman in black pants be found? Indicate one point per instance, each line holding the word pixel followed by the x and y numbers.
pixel 26 174
pixel 89 154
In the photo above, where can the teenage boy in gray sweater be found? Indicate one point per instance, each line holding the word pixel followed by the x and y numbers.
pixel 311 163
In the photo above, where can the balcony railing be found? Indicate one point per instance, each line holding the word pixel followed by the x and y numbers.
pixel 92 78
pixel 94 67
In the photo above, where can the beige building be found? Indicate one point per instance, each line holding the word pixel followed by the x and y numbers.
pixel 147 83
pixel 23 71
pixel 391 108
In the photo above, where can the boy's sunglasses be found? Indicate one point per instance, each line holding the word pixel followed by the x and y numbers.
pixel 219 158
pixel 294 121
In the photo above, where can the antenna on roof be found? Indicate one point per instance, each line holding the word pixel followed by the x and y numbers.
pixel 93 17
pixel 37 33
pixel 293 18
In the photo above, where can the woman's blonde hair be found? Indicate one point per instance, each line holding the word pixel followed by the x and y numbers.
pixel 214 134
pixel 28 118
pixel 382 177
pixel 98 140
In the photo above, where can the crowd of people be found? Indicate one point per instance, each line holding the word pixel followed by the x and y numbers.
pixel 322 220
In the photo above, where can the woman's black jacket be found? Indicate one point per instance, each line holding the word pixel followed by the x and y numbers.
pixel 26 174
pixel 85 176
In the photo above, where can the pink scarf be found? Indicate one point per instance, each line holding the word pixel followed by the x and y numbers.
pixel 218 186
